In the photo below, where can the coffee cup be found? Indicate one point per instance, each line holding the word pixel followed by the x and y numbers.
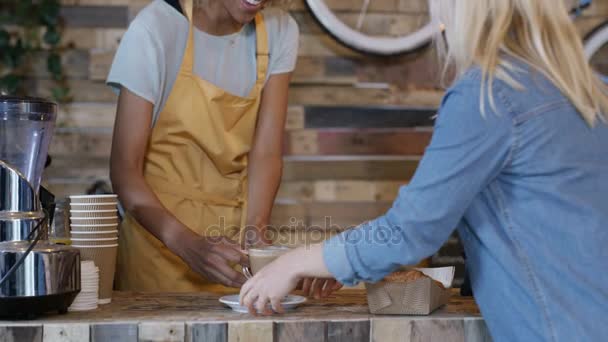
pixel 262 256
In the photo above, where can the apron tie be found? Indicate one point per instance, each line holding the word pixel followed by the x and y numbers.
pixel 161 185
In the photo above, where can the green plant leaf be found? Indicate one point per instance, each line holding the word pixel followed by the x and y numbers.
pixel 61 94
pixel 49 12
pixel 5 39
pixel 23 13
pixel 18 50
pixel 53 64
pixel 52 36
pixel 10 84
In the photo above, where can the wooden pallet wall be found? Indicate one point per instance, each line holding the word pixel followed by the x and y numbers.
pixel 357 125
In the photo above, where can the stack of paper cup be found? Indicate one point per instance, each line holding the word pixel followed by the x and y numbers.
pixel 88 297
pixel 94 227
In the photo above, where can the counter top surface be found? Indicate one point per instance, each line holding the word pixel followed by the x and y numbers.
pixel 187 307
pixel 200 317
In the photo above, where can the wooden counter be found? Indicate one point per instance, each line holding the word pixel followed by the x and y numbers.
pixel 200 317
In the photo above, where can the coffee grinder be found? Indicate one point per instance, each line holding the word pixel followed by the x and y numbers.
pixel 36 276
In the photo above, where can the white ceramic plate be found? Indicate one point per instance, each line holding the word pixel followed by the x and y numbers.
pixel 289 302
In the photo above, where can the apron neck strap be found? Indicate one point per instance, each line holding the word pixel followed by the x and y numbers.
pixel 262 49
pixel 188 60
pixel 262 53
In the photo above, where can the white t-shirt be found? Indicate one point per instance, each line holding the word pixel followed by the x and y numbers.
pixel 151 51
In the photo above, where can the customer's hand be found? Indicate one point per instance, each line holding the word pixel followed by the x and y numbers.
pixel 277 279
pixel 269 285
pixel 319 287
pixel 211 257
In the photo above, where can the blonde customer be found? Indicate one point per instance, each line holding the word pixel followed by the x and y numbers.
pixel 518 162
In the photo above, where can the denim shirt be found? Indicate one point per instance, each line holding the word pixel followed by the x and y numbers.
pixel 526 186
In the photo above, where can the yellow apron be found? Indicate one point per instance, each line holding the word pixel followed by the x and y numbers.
pixel 196 164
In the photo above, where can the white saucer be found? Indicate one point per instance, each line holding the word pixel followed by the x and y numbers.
pixel 290 302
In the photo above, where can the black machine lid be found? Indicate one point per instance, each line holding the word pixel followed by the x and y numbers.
pixel 31 108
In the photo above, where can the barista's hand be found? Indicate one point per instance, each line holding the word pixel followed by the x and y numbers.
pixel 255 237
pixel 211 257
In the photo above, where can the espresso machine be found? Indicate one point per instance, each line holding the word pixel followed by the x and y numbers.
pixel 36 276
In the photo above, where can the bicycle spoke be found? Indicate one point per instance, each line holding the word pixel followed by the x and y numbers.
pixel 362 14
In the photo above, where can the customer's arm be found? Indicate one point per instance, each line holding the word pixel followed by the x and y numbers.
pixel 466 153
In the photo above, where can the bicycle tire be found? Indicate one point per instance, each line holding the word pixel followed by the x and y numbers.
pixel 596 40
pixel 367 44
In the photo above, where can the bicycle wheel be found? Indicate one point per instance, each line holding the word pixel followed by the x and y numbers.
pixel 388 31
pixel 596 49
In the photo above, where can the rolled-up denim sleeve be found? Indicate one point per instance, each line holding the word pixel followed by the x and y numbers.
pixel 467 151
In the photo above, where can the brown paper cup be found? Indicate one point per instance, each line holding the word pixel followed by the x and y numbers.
pixel 93 228
pixel 95 235
pixel 93 213
pixel 94 199
pixel 94 242
pixel 90 206
pixel 94 221
pixel 420 297
pixel 105 259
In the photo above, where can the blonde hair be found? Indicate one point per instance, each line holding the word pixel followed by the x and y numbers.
pixel 539 32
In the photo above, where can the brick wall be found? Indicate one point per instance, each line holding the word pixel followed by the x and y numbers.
pixel 354 135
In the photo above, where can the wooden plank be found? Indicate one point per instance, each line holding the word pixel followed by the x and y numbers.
pixel 586 25
pixel 161 332
pixel 324 46
pixel 250 331
pixel 75 64
pixel 306 23
pixel 301 191
pixel 356 168
pixel 370 142
pixel 348 331
pixel 295 118
pixel 300 331
pixel 302 142
pixel 419 70
pixel 344 95
pixel 300 237
pixel 81 90
pixel 202 332
pixel 90 143
pixel 597 9
pixel 91 38
pixel 95 16
pixel 86 115
pixel 349 191
pixel 68 187
pixel 355 211
pixel 101 62
pixel 359 142
pixel 114 333
pixel 77 167
pixel 436 330
pixel 390 330
pixel 31 333
pixel 475 330
pixel 103 2
pixel 368 117
pixel 66 332
pixel 342 5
